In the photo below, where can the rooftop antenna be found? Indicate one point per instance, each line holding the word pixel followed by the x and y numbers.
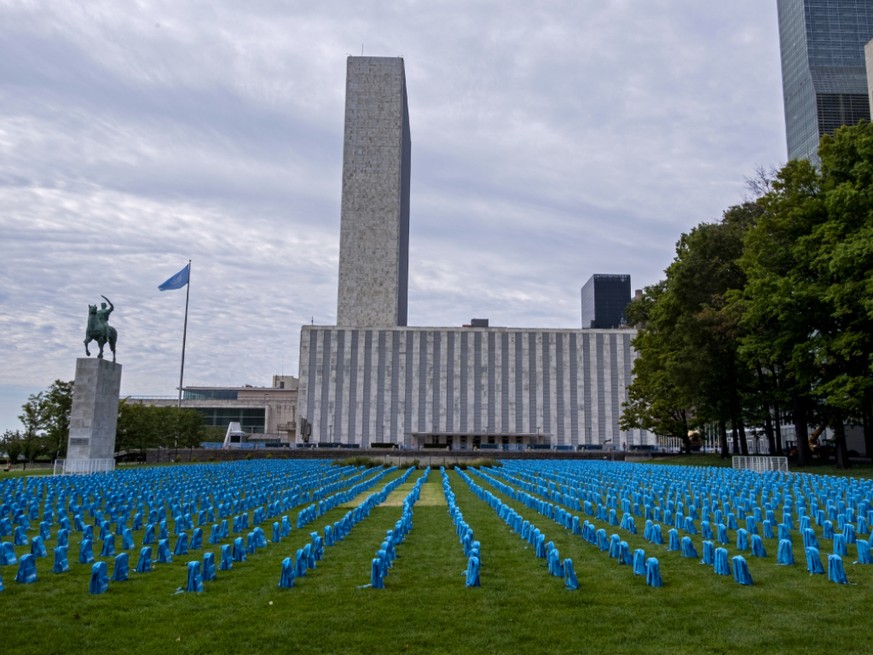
pixel 362 49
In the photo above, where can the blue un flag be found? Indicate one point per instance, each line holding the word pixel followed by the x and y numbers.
pixel 177 281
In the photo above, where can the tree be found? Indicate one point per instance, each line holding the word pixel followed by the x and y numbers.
pixel 138 427
pixel 841 253
pixel 55 408
pixel 659 400
pixel 781 304
pixel 807 311
pixel 703 276
pixel 12 444
pixel 46 421
pixel 190 427
pixel 767 310
pixel 688 372
pixel 33 438
pixel 145 426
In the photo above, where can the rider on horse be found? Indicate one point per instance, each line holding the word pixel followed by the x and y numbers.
pixel 99 329
pixel 103 316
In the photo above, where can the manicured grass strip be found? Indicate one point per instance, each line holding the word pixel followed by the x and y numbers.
pixel 430 494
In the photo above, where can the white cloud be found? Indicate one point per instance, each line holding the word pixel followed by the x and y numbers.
pixel 551 140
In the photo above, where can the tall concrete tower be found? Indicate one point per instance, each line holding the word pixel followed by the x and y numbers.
pixel 374 231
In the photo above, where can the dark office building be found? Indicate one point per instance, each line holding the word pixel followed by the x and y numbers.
pixel 824 82
pixel 604 299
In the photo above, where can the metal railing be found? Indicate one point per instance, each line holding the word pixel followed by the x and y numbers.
pixel 760 464
pixel 86 466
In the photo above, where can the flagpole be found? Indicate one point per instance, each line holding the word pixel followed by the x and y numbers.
pixel 184 333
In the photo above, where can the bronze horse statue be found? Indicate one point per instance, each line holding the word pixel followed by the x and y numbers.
pixel 99 329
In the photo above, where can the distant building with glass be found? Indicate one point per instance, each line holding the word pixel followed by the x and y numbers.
pixel 264 413
pixel 824 80
pixel 605 298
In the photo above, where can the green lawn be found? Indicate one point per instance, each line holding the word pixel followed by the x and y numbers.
pixel 857 470
pixel 425 607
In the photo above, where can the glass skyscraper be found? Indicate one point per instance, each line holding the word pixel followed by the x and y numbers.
pixel 605 298
pixel 824 82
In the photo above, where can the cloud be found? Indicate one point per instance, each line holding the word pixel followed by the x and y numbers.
pixel 551 141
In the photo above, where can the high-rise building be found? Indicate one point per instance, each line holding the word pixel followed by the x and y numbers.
pixel 824 82
pixel 374 232
pixel 604 301
pixel 372 381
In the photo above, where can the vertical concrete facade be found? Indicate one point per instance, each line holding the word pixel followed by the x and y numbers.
pixel 93 416
pixel 497 385
pixel 374 232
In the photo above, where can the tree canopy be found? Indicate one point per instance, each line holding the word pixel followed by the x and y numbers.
pixel 767 314
pixel 145 426
pixel 45 418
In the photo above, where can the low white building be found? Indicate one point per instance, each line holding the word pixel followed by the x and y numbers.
pixel 266 414
pixel 466 387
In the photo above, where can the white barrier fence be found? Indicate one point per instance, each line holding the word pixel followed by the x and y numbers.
pixel 85 466
pixel 760 464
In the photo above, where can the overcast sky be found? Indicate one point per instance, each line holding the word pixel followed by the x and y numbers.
pixel 550 141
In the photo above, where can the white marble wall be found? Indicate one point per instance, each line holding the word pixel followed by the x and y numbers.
pixel 354 391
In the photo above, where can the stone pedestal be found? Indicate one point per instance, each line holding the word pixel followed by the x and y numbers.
pixel 94 416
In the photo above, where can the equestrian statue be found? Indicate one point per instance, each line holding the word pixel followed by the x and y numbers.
pixel 99 329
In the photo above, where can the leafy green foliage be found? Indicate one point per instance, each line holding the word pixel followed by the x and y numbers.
pixel 687 372
pixel 768 310
pixel 12 445
pixel 145 426
pixel 46 421
pixel 658 399
pixel 57 402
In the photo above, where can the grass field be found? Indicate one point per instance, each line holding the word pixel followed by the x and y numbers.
pixel 426 608
pixel 862 469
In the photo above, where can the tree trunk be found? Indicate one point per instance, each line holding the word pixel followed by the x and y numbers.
pixel 744 443
pixel 686 441
pixel 739 429
pixel 768 420
pixel 867 421
pixel 777 427
pixel 768 431
pixel 777 415
pixel 722 439
pixel 842 452
pixel 800 428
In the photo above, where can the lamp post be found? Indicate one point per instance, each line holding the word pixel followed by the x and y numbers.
pixel 609 441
